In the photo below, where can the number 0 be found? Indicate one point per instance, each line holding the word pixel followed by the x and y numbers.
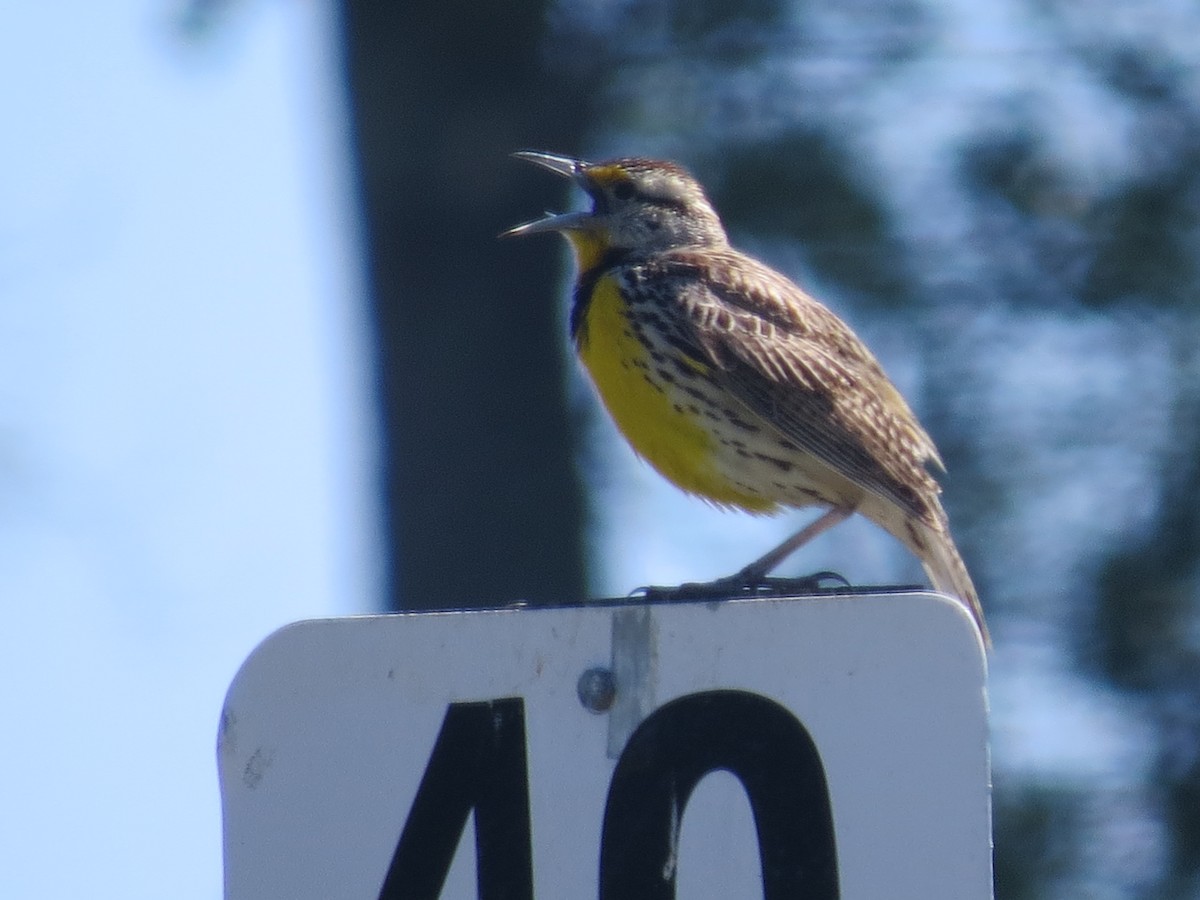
pixel 766 748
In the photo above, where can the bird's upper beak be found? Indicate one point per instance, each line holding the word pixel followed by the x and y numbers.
pixel 568 167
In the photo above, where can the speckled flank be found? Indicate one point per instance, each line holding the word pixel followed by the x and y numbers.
pixel 666 411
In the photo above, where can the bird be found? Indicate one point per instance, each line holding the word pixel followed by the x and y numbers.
pixel 730 380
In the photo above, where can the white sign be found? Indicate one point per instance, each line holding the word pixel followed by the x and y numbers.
pixel 816 748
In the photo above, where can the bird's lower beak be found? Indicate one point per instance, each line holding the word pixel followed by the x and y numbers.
pixel 550 222
pixel 566 166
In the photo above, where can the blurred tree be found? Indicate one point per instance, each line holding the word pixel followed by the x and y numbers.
pixel 996 182
pixel 1039 826
pixel 1144 633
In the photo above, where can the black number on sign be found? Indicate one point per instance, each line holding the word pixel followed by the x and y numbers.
pixel 759 742
pixel 478 763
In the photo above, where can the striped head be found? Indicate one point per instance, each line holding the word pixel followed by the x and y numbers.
pixel 639 207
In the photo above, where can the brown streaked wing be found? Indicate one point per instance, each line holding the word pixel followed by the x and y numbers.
pixel 801 368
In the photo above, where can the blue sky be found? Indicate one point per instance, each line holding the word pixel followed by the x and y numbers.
pixel 185 435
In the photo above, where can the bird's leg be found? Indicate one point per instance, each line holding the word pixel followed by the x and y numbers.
pixel 761 567
pixel 754 576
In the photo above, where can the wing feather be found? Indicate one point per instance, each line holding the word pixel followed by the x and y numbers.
pixel 799 367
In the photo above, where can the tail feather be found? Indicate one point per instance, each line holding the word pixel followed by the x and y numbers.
pixel 948 573
pixel 934 547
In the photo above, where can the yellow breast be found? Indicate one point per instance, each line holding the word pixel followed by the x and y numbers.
pixel 653 413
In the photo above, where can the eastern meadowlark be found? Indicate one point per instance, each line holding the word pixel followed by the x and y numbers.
pixel 733 382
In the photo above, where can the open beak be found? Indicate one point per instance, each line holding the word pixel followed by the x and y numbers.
pixel 568 167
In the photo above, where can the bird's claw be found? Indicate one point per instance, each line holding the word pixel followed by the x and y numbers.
pixel 739 585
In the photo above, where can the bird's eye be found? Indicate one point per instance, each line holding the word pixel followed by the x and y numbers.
pixel 623 190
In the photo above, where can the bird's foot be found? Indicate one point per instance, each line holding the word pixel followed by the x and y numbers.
pixel 743 584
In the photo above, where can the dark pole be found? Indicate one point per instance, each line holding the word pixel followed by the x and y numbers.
pixel 481 497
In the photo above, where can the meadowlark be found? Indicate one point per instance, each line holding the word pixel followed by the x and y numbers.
pixel 730 380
